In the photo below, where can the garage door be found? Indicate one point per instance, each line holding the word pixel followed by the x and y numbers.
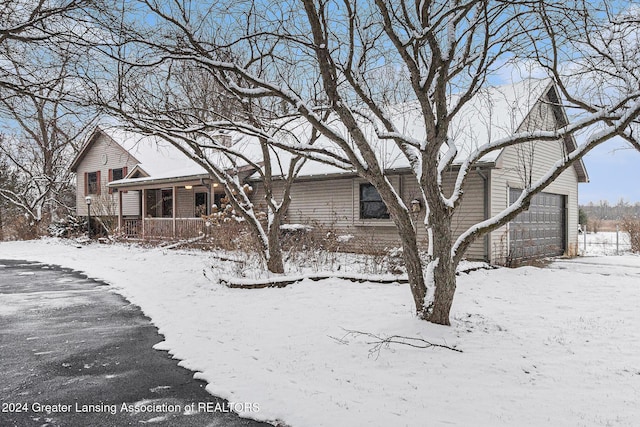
pixel 539 231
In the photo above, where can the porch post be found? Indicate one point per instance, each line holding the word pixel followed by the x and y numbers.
pixel 173 201
pixel 120 210
pixel 143 209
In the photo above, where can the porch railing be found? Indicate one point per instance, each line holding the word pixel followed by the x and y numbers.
pixel 132 227
pixel 184 228
pixel 189 227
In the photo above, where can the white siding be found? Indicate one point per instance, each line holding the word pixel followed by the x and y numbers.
pixel 102 155
pixel 130 203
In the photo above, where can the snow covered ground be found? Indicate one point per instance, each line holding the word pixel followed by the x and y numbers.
pixel 553 346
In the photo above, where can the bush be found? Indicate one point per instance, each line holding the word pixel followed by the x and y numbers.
pixel 632 226
pixel 71 226
pixel 21 227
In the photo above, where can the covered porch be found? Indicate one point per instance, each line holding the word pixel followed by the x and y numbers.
pixel 165 209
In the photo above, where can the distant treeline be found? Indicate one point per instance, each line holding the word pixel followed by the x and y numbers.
pixel 604 210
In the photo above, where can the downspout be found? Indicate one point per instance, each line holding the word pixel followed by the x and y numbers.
pixel 485 188
pixel 120 211
pixel 174 208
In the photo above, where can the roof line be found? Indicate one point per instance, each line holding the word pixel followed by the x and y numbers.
pixel 569 140
pixel 134 182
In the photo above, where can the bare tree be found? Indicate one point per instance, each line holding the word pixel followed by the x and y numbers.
pixel 32 28
pixel 41 53
pixel 322 61
pixel 187 106
pixel 8 180
pixel 45 135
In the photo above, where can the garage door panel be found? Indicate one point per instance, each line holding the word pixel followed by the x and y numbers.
pixel 539 231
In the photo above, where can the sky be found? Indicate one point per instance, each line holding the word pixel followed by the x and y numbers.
pixel 614 173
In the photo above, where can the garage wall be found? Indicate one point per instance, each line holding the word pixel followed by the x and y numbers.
pixel 516 165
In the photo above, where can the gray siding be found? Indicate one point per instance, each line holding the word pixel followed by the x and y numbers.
pixel 470 212
pixel 334 204
pixel 185 202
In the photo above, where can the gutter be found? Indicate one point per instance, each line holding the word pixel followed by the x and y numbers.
pixel 143 182
pixel 353 174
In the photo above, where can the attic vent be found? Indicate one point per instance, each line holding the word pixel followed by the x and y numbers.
pixel 223 139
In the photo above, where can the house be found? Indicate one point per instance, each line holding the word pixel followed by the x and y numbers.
pixel 159 184
pixel 173 193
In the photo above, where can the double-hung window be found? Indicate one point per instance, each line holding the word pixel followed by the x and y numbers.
pixel 371 204
pixel 115 175
pixel 92 183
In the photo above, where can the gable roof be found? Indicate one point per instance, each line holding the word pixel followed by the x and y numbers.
pixel 157 158
pixel 493 113
pixel 154 156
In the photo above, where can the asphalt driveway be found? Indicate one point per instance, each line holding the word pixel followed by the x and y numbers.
pixel 73 353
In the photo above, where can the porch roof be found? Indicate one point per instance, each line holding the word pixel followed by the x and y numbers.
pixel 155 182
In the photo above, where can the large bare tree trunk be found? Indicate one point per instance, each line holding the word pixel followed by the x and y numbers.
pixel 441 274
pixel 275 263
pixel 410 249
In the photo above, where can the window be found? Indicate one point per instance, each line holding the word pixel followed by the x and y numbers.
pixel 92 183
pixel 217 200
pixel 159 203
pixel 371 204
pixel 167 203
pixel 201 204
pixel 152 203
pixel 115 175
